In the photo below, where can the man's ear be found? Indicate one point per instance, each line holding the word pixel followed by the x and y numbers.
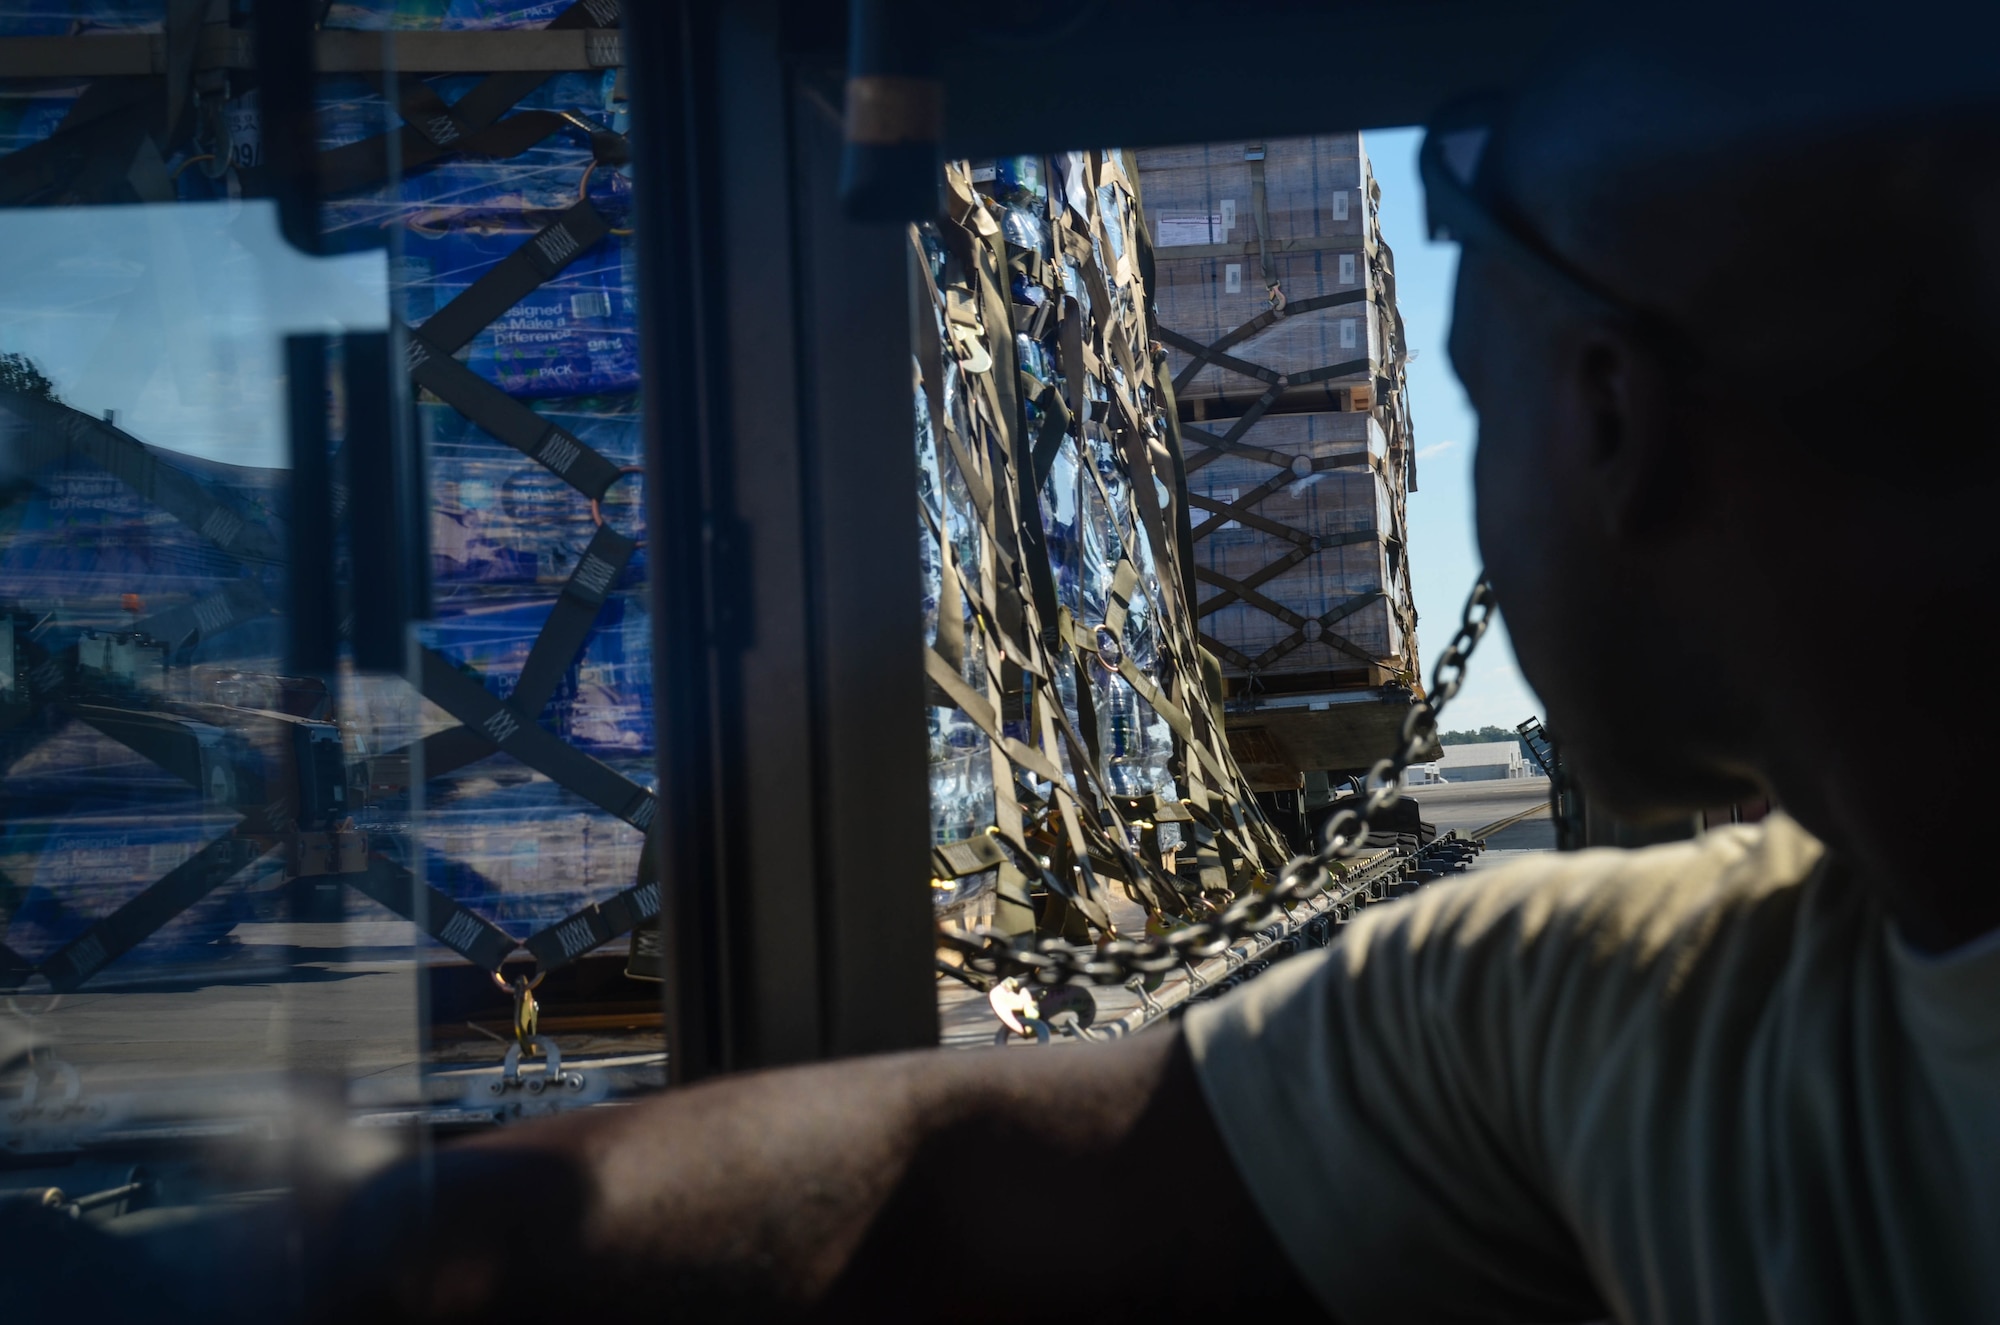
pixel 1630 435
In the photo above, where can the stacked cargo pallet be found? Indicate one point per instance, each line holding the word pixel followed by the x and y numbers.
pixel 510 269
pixel 1276 302
pixel 508 535
pixel 1077 766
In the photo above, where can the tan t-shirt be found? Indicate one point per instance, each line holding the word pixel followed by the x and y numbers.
pixel 1701 1082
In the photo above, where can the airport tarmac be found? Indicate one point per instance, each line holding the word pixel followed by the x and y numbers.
pixel 1521 804
pixel 342 1000
pixel 1464 806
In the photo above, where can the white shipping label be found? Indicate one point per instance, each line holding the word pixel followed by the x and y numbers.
pixel 984 172
pixel 1232 278
pixel 1179 229
pixel 1228 215
pixel 245 126
pixel 1347 269
pixel 1340 205
pixel 1226 497
pixel 1348 326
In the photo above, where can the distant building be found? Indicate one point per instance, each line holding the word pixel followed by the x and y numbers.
pixel 1481 761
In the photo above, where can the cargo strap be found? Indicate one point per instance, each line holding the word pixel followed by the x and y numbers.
pixel 131 924
pixel 513 726
pixel 432 346
pixel 1302 627
pixel 205 618
pixel 86 156
pixel 556 449
pixel 514 278
pixel 489 721
pixel 1216 445
pixel 562 638
pixel 462 695
pixel 486 945
pixel 433 130
pixel 466 932
pixel 1001 465
pixel 1055 425
pixel 111 145
pixel 1259 202
pixel 1202 355
pixel 568 939
pixel 386 882
pixel 52 431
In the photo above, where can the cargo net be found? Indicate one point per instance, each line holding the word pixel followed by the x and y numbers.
pixel 165 780
pixel 1276 300
pixel 1081 786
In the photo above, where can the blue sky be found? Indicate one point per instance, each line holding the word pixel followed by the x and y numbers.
pixel 173 315
pixel 1444 553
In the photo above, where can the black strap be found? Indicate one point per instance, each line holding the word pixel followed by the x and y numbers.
pixel 514 278
pixel 461 695
pixel 207 617
pixel 109 147
pixel 53 430
pixel 1212 352
pixel 556 449
pixel 570 620
pixel 562 637
pixel 435 131
pixel 568 939
pixel 431 349
pixel 89 151
pixel 127 927
pixel 466 932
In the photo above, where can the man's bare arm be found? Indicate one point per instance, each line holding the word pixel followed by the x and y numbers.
pixel 927 1186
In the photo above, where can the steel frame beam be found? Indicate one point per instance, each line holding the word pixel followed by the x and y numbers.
pixel 794 822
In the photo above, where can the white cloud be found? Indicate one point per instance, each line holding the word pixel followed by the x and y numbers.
pixel 1435 448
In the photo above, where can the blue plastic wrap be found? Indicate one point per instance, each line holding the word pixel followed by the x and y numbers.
pixel 523 852
pixel 470 190
pixel 81 540
pixel 498 518
pixel 575 335
pixel 73 866
pixel 445 15
pixel 30 109
pixel 66 18
pixel 605 702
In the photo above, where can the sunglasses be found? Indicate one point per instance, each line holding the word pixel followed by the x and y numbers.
pixel 1467 205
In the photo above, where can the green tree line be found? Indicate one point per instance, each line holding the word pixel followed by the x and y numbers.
pixel 19 374
pixel 1476 737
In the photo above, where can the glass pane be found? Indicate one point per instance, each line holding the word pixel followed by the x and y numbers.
pixel 169 781
pixel 222 860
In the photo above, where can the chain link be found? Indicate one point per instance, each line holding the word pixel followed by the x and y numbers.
pixel 1341 837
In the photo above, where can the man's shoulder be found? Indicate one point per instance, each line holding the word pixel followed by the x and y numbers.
pixel 1629 907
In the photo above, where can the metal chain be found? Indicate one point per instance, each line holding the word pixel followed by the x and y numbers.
pixel 1342 836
